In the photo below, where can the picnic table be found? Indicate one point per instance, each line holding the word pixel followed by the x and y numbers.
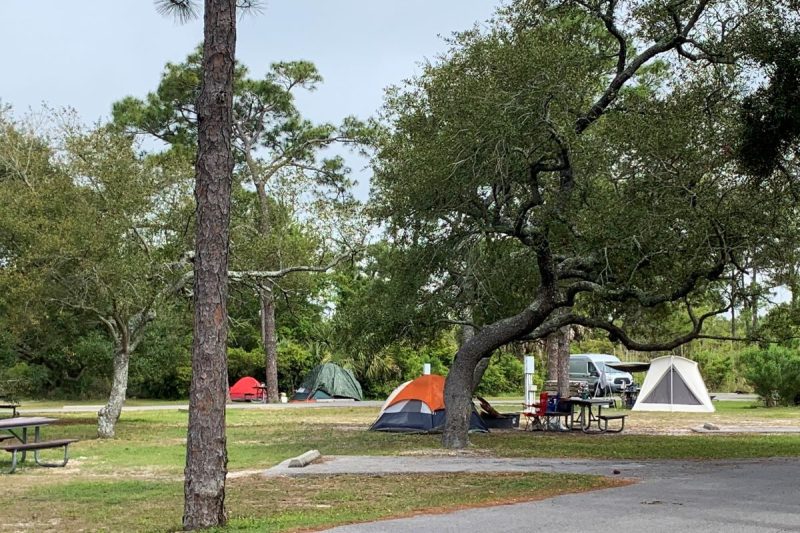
pixel 629 395
pixel 588 416
pixel 19 428
pixel 262 393
pixel 12 406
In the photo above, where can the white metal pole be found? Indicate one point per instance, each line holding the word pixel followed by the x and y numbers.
pixel 530 388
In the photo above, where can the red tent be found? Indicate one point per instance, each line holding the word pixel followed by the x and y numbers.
pixel 247 389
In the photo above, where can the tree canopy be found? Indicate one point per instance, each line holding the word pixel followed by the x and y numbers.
pixel 585 154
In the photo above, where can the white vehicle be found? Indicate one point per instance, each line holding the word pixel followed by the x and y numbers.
pixel 591 367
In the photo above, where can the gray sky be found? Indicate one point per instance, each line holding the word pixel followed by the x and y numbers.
pixel 86 54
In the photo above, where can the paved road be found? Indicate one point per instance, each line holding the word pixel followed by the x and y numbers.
pixel 301 405
pixel 178 407
pixel 753 496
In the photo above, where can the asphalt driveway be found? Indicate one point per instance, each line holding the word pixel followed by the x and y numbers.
pixel 751 496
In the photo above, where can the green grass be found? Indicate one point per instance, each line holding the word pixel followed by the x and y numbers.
pixel 280 504
pixel 154 440
pixel 30 404
pixel 643 447
pixel 134 482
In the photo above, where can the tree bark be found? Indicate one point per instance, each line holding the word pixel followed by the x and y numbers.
pixel 754 302
pixel 733 308
pixel 467 332
pixel 458 386
pixel 206 453
pixel 263 207
pixel 557 348
pixel 458 396
pixel 108 416
pixel 551 349
pixel 127 334
pixel 562 374
pixel 270 339
pixel 480 370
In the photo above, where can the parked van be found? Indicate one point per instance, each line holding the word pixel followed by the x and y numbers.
pixel 587 367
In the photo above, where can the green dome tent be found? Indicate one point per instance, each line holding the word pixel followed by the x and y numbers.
pixel 327 381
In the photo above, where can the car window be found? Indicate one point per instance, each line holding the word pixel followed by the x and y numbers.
pixel 577 367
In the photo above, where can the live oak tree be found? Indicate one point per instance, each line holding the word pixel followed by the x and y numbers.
pixel 771 129
pixel 86 223
pixel 587 149
pixel 131 265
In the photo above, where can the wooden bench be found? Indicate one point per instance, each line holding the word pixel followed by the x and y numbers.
pixel 605 418
pixel 36 446
pixel 12 406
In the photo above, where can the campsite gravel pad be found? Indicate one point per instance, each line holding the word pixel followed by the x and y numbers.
pixel 366 464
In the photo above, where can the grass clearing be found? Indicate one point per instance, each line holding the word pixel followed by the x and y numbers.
pixel 277 504
pixel 134 482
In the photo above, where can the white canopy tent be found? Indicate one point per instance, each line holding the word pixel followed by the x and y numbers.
pixel 674 384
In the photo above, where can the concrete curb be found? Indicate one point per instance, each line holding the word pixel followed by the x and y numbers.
pixel 727 430
pixel 305 459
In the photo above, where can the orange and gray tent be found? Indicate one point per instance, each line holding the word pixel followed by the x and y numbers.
pixel 418 407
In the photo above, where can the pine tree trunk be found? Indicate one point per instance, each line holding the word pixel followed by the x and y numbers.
pixel 754 302
pixel 551 348
pixel 270 340
pixel 733 308
pixel 563 362
pixel 206 453
pixel 557 349
pixel 108 416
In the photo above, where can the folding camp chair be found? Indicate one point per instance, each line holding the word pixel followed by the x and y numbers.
pixel 535 413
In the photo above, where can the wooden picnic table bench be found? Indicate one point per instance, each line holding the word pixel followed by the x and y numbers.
pixel 13 406
pixel 587 417
pixel 36 446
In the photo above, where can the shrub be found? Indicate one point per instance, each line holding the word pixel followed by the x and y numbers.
pixel 162 365
pixel 243 363
pixel 23 380
pixel 294 362
pixel 716 369
pixel 503 375
pixel 774 373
